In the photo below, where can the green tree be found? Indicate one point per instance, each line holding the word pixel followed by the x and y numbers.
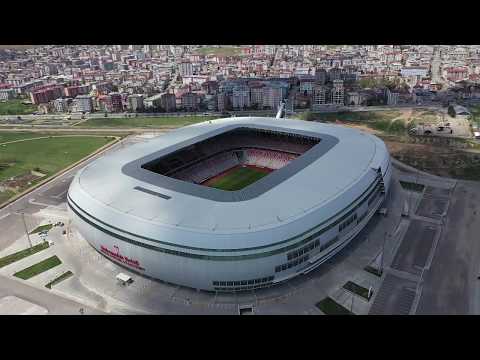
pixel 451 111
pixel 308 116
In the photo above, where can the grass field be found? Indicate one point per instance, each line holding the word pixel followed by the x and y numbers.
pixel 15 107
pixel 5 195
pixel 357 289
pixel 62 277
pixel 475 118
pixel 330 307
pixel 48 155
pixel 367 116
pixel 222 51
pixel 377 120
pixel 9 259
pixel 144 122
pixel 38 268
pixel 41 228
pixel 238 179
pixel 373 270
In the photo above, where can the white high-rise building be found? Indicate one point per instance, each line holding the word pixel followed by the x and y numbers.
pixel 391 97
pixel 320 96
pixel 338 93
pixel 256 95
pixel 272 96
pixel 135 102
pixel 83 103
pixel 61 105
pixel 7 94
pixel 241 97
pixel 186 68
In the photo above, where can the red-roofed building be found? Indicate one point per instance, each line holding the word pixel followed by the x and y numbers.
pixel 456 73
pixel 44 95
pixel 247 50
pixel 474 77
pixel 117 104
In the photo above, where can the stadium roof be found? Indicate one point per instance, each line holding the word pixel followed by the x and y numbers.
pixel 325 186
pixel 135 169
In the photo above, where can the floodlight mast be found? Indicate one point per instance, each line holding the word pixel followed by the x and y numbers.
pixel 281 111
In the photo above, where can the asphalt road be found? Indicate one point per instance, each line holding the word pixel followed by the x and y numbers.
pixel 431 106
pixel 55 304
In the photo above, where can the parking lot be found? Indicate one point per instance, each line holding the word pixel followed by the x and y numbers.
pixel 415 248
pixel 449 127
pixel 395 297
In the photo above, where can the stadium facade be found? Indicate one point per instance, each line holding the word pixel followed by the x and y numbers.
pixel 147 207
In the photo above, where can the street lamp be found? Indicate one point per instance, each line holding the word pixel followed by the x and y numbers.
pixel 25 226
pixel 383 251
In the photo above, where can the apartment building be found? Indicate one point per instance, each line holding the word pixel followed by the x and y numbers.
pixel 83 103
pixel 338 93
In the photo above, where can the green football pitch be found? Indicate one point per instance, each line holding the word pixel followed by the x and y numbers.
pixel 237 179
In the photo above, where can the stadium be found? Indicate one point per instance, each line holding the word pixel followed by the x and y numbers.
pixel 231 204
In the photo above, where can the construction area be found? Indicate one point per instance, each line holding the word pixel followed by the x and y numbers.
pixel 431 141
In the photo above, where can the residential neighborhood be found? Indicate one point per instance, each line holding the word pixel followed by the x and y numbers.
pixel 187 78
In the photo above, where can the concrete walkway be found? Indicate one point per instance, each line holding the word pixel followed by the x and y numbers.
pixel 53 303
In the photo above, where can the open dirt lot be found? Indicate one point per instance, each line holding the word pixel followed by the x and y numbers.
pixel 438 160
pixel 439 155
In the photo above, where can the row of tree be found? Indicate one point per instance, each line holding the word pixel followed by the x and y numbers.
pixel 372 82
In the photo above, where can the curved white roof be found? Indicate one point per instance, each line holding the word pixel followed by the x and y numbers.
pixel 323 188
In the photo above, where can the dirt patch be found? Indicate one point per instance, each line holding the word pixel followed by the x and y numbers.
pixel 19 182
pixel 438 155
pixel 424 117
pixel 437 160
pixel 360 127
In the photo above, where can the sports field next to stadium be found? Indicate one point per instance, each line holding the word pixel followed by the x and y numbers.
pixel 27 158
pixel 237 178
pixel 144 122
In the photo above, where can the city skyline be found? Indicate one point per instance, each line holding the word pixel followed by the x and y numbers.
pixel 143 78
